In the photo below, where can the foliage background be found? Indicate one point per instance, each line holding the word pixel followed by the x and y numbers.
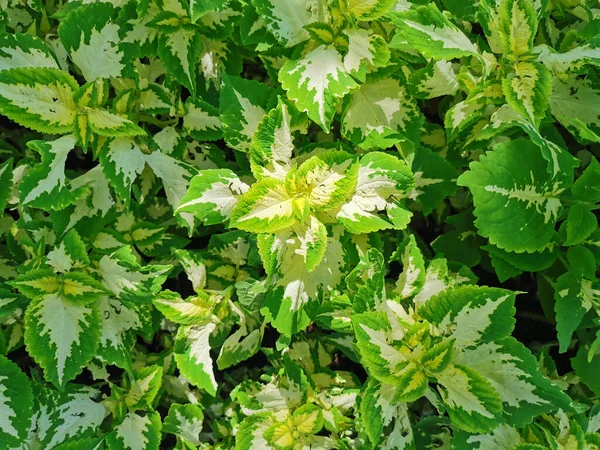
pixel 349 224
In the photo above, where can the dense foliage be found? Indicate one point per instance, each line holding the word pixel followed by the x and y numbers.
pixel 299 224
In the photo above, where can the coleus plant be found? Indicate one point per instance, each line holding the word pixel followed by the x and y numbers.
pixel 333 224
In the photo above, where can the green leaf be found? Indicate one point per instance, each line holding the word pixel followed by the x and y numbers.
pixel 92 41
pixel 189 311
pixel 40 99
pixel 266 207
pixel 61 335
pixel 528 89
pixel 429 32
pixel 580 224
pixel 136 432
pixel 375 114
pixel 16 403
pixel 435 179
pixel 574 297
pixel 192 353
pixel 316 82
pixel 587 187
pixel 198 8
pixel 587 370
pixel 517 209
pixel 503 437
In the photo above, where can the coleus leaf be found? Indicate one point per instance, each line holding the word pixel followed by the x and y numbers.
pixel 136 431
pixel 192 353
pixel 513 372
pixel 179 51
pixel 574 104
pixel 64 416
pixel 575 295
pixel 528 89
pixel 185 422
pixel 367 9
pixel 287 20
pixel 24 50
pixel 213 195
pixel 242 104
pixel 524 201
pixel 517 25
pixel 266 207
pixel 432 34
pixel 122 161
pixel 273 144
pixel 16 403
pixel 366 51
pixel 93 43
pixel 325 180
pixel 380 177
pixel 6 177
pixel 293 297
pixel 201 120
pixel 379 113
pixel 62 335
pixel 378 410
pixel 316 81
pixel 40 99
pixel 46 186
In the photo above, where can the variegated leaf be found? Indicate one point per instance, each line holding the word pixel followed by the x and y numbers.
pixel 40 99
pixel 122 161
pixel 242 105
pixel 24 50
pixel 93 43
pixel 45 185
pixel 136 432
pixel 528 90
pixel 266 207
pixel 432 34
pixel 517 25
pixel 192 353
pixel 185 422
pixel 179 51
pixel 316 82
pixel 16 403
pixel 379 114
pixel 518 210
pixel 62 336
pixel 212 195
pixel 286 20
pixel 380 178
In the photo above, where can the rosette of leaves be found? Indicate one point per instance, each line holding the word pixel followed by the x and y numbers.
pixel 448 343
pixel 297 197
